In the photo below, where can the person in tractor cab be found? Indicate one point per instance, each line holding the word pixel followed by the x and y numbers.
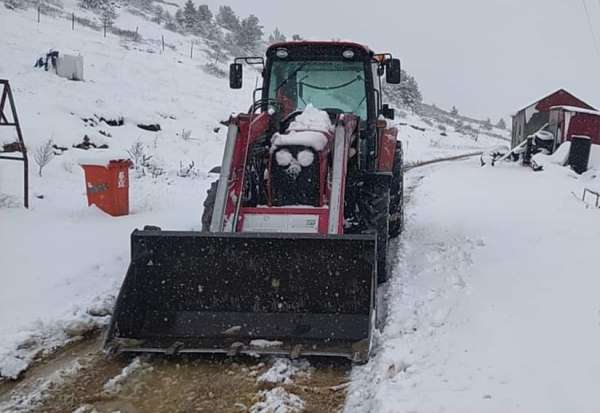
pixel 334 86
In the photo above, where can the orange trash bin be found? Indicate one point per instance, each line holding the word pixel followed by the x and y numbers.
pixel 108 186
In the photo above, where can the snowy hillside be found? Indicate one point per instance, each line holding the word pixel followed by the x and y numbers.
pixel 61 257
pixel 62 262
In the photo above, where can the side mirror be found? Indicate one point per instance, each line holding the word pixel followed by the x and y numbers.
pixel 388 112
pixel 393 71
pixel 236 74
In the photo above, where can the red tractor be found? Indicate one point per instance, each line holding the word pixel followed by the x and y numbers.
pixel 296 229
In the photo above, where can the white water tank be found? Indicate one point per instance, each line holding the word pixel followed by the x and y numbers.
pixel 70 67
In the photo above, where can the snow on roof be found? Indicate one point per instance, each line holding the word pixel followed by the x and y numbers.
pixel 102 157
pixel 548 96
pixel 576 109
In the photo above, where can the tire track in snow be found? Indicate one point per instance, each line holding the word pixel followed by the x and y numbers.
pixel 418 305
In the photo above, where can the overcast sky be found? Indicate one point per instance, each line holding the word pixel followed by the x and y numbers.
pixel 487 57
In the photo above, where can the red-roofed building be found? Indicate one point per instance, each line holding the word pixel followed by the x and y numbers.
pixel 532 118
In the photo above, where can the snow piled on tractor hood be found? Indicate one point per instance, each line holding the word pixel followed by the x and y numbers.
pixel 308 129
pixel 315 140
pixel 312 119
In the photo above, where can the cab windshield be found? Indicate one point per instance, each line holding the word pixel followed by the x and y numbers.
pixel 334 85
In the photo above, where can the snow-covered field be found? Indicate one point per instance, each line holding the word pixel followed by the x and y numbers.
pixel 494 305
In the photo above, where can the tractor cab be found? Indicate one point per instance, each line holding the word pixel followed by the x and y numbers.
pixel 335 77
pixel 299 80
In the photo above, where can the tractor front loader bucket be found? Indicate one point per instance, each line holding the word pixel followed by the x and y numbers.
pixel 247 293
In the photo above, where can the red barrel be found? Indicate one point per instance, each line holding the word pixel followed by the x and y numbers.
pixel 108 186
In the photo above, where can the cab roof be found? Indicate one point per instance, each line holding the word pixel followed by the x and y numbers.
pixel 320 43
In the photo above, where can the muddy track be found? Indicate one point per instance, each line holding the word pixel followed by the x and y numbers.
pixel 80 376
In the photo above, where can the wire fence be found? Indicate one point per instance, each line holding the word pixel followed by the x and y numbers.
pixel 106 27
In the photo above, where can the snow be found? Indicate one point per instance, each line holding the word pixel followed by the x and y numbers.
pixel 577 110
pixel 102 158
pixel 61 258
pixel 422 139
pixel 305 158
pixel 115 384
pixel 27 402
pixel 278 400
pixel 594 157
pixel 312 119
pixel 284 370
pixel 308 129
pixel 314 139
pixel 494 304
pixel 265 343
pixel 283 157
pixel 63 262
pixel 561 156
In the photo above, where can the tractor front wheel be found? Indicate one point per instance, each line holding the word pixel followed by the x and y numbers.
pixel 209 206
pixel 397 194
pixel 373 204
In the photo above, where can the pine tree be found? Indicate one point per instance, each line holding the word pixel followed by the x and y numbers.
pixel 276 36
pixel 297 38
pixel 454 111
pixel 159 15
pixel 108 14
pixel 406 94
pixel 179 19
pixel 204 19
pixel 227 19
pixel 488 124
pixel 92 4
pixel 190 17
pixel 170 23
pixel 501 124
pixel 250 34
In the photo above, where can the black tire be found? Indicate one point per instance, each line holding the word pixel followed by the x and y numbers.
pixel 209 206
pixel 374 203
pixel 397 194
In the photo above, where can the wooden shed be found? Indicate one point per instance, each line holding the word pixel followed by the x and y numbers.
pixel 533 117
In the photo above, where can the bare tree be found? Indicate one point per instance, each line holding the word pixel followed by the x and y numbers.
pixel 43 155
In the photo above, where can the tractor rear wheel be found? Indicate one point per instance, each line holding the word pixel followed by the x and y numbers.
pixel 209 206
pixel 397 194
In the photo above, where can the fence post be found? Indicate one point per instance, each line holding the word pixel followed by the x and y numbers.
pixel 38 13
pixel 104 28
pixel 73 21
pixel 163 43
pixel 192 50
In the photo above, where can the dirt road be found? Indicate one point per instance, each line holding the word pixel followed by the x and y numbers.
pixel 82 377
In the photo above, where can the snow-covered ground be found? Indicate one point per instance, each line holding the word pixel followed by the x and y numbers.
pixel 494 305
pixel 61 262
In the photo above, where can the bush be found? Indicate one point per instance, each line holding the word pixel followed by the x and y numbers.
pixel 213 69
pixel 43 155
